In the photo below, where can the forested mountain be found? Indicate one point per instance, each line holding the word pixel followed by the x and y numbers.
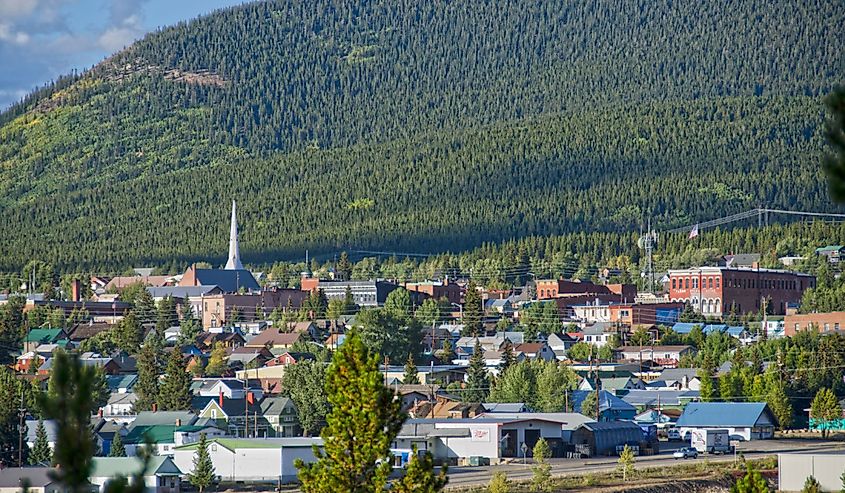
pixel 419 125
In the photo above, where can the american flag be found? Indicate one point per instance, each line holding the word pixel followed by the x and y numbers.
pixel 694 232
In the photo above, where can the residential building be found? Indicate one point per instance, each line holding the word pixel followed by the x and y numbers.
pixel 665 356
pixel 118 283
pixel 535 350
pixel 822 322
pixel 36 480
pixel 160 476
pixel 611 407
pixel 680 378
pixel 279 414
pixel 833 252
pixel 274 339
pixel 713 291
pixel 269 460
pixel 743 420
pixel 560 344
pixel 600 333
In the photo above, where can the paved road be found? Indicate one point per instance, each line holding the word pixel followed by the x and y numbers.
pixel 469 476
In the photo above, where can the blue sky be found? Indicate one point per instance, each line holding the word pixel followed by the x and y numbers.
pixel 43 39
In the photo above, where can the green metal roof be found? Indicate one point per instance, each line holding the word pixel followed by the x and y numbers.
pixel 103 467
pixel 156 433
pixel 272 443
pixel 43 335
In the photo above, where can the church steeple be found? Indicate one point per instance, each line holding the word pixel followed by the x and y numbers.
pixel 234 262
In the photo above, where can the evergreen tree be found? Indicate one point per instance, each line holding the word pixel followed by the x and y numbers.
pixel 71 407
pixel 349 305
pixel 304 382
pixel 499 483
pixel 117 448
pixel 145 309
pixel 419 476
pixel 811 485
pixel 41 453
pixel 541 478
pixel 447 354
pixel 508 358
pixel 707 390
pixel 834 164
pixel 175 390
pixel 217 365
pixel 189 326
pixel 411 376
pixel 202 475
pixel 472 312
pixel 147 386
pixel 588 405
pixel 343 271
pixel 166 315
pixel 626 462
pixel 825 409
pixel 364 420
pixel 478 379
pixel 751 482
pixel 127 334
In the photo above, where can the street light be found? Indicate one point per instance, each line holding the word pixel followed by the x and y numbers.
pixel 460 308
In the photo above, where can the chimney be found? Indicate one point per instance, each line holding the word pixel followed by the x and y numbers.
pixel 75 289
pixel 221 398
pixel 178 422
pixel 155 407
pixel 100 412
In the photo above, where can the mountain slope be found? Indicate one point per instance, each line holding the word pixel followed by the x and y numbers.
pixel 419 125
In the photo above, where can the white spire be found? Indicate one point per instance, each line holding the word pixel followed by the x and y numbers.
pixel 234 261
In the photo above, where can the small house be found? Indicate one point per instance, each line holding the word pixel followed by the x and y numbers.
pixel 161 475
pixel 743 420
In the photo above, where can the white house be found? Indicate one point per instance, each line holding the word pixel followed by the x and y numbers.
pixel 162 475
pixel 254 460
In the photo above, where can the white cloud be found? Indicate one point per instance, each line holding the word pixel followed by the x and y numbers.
pixel 17 8
pixel 115 38
pixel 10 35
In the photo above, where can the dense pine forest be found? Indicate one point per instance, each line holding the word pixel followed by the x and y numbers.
pixel 419 126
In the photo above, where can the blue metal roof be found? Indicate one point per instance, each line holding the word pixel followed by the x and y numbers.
pixel 606 401
pixel 736 330
pixel 684 327
pixel 714 328
pixel 728 414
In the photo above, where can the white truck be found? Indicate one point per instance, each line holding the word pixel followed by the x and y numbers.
pixel 711 441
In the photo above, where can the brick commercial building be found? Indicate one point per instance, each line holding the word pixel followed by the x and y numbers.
pixel 823 322
pixel 437 290
pixel 217 310
pixel 714 290
pixel 549 289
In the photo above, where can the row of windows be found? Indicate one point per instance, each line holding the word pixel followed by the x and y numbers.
pixel 686 282
pixel 826 327
pixel 753 283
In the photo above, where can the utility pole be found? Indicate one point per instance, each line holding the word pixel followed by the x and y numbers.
pixel 21 415
pixel 764 329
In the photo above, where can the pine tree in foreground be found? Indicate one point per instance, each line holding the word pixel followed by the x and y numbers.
pixel 751 482
pixel 541 479
pixel 203 473
pixel 419 475
pixel 364 419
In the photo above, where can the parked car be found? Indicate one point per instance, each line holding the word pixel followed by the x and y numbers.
pixel 673 434
pixel 685 453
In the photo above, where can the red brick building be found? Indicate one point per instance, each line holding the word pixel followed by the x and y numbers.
pixel 437 290
pixel 713 290
pixel 823 322
pixel 549 289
